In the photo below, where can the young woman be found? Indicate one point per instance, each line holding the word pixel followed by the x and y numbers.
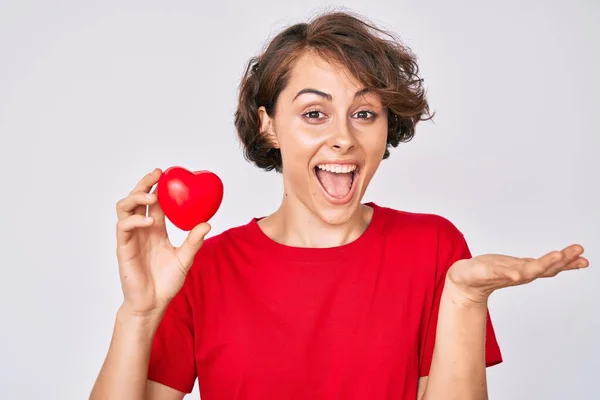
pixel 327 297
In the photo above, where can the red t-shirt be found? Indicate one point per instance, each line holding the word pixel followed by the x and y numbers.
pixel 257 319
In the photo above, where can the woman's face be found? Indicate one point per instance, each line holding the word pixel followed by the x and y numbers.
pixel 332 136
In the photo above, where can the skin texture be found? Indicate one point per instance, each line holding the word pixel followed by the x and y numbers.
pixel 308 129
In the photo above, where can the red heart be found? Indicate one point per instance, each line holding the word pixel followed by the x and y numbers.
pixel 189 198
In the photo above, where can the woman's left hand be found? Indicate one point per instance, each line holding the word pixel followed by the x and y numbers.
pixel 476 278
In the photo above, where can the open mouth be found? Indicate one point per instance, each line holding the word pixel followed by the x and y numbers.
pixel 338 181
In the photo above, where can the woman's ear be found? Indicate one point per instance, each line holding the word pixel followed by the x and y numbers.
pixel 267 128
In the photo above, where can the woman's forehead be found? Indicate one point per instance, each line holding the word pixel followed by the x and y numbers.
pixel 311 71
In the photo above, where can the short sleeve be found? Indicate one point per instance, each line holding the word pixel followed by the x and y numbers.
pixel 451 247
pixel 172 360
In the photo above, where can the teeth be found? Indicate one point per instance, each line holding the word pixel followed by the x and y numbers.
pixel 337 168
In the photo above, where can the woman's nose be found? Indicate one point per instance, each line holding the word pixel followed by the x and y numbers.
pixel 342 138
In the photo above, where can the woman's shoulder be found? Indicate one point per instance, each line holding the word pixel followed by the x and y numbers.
pixel 424 230
pixel 397 219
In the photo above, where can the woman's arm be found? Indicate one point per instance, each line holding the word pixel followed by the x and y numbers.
pixel 458 363
pixel 152 273
pixel 125 369
pixel 458 366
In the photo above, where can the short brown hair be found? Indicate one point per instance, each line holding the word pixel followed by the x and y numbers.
pixel 374 56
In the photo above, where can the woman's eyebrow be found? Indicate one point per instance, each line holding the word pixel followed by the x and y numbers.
pixel 327 96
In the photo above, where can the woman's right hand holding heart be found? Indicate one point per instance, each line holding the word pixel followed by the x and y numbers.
pixel 151 269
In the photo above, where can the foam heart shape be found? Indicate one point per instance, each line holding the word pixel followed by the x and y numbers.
pixel 189 198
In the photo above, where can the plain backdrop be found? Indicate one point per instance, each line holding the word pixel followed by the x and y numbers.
pixel 93 95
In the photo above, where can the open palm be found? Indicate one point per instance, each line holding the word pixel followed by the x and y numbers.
pixel 479 276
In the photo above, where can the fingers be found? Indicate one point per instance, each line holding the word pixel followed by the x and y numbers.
pixel 567 259
pixel 146 183
pixel 533 268
pixel 144 186
pixel 126 226
pixel 552 263
pixel 131 210
pixel 156 212
pixel 192 243
pixel 524 270
pixel 494 271
pixel 578 263
pixel 136 201
pixel 130 204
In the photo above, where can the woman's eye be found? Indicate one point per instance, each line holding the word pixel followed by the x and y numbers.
pixel 313 114
pixel 366 115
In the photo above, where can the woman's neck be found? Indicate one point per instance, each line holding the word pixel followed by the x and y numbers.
pixel 294 224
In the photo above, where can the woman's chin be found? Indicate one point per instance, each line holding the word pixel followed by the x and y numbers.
pixel 336 213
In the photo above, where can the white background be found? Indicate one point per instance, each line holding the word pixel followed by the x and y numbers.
pixel 95 94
